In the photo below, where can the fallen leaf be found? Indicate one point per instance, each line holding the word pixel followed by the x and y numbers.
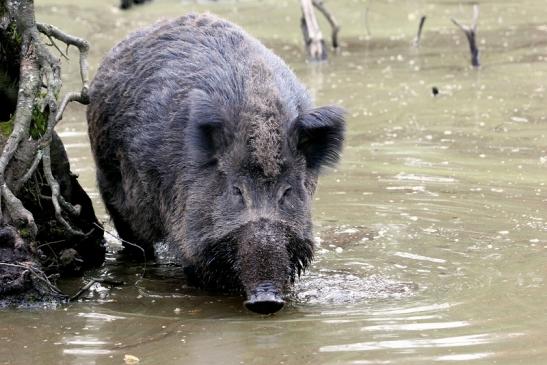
pixel 130 359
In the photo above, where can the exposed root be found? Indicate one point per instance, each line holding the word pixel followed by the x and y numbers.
pixel 38 64
pixel 82 97
pixel 70 40
pixel 21 217
pixel 29 84
pixel 35 162
pixel 55 194
pixel 23 182
pixel 470 33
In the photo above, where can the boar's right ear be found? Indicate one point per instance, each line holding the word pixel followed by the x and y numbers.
pixel 320 136
pixel 204 133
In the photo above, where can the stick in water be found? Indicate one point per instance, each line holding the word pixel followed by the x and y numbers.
pixel 471 33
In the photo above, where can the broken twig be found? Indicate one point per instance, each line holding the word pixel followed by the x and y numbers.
pixel 418 38
pixel 93 281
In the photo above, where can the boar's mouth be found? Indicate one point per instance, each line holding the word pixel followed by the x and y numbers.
pixel 219 267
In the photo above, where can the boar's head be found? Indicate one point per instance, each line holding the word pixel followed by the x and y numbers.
pixel 250 178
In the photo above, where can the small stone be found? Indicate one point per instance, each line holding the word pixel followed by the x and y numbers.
pixel 339 250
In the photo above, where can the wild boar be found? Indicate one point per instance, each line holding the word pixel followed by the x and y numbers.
pixel 205 139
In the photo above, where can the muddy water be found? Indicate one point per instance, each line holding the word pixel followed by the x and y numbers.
pixel 432 232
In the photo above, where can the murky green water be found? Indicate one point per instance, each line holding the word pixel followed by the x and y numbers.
pixel 433 231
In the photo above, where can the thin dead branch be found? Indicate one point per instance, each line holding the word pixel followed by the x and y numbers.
pixel 39 274
pixel 312 34
pixel 332 21
pixel 418 38
pixel 471 33
pixel 70 40
pixel 93 281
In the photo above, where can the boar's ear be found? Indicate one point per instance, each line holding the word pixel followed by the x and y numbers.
pixel 320 136
pixel 205 130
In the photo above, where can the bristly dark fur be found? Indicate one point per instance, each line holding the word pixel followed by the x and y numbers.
pixel 205 139
pixel 321 136
pixel 220 264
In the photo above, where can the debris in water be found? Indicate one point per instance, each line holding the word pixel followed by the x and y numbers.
pixel 471 33
pixel 130 359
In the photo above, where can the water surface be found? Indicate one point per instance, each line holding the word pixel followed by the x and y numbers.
pixel 432 232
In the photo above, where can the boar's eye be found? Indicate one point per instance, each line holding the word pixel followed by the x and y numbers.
pixel 236 192
pixel 286 193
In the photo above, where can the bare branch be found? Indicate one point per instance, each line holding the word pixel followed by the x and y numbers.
pixel 330 18
pixel 471 33
pixel 418 38
pixel 463 27
pixel 93 281
pixel 312 34
pixel 365 16
pixel 71 96
pixel 475 20
pixel 81 44
pixel 53 44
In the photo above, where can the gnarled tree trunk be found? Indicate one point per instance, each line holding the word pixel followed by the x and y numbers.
pixel 47 223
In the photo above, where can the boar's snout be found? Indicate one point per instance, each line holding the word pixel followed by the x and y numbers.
pixel 264 299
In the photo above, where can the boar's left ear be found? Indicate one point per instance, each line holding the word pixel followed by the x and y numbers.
pixel 320 136
pixel 205 130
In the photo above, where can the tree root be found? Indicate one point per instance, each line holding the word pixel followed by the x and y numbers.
pixel 470 33
pixel 55 194
pixel 29 84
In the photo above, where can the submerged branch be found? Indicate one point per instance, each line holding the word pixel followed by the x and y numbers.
pixel 418 38
pixel 312 34
pixel 471 33
pixel 330 18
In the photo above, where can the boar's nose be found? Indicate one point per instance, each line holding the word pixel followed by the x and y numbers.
pixel 265 299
